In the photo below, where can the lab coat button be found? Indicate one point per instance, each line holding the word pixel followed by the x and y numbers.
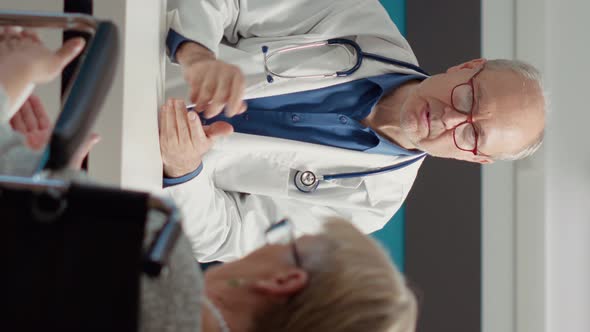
pixel 343 119
pixel 295 118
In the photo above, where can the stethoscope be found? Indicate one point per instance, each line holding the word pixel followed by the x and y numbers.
pixel 338 42
pixel 308 181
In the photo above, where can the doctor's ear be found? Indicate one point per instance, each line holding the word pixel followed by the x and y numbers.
pixel 475 63
pixel 483 160
pixel 282 284
pixel 478 159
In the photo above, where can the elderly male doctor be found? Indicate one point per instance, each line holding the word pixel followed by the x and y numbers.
pixel 234 170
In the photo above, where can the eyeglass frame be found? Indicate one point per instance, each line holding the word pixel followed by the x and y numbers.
pixel 292 244
pixel 469 115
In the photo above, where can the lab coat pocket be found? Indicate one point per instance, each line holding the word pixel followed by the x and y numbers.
pixel 352 183
pixel 253 173
pixel 384 190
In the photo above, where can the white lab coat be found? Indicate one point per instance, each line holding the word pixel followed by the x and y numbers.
pixel 247 180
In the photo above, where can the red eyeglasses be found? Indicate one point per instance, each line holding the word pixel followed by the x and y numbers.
pixel 465 134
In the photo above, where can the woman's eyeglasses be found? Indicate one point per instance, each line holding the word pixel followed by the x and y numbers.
pixel 283 232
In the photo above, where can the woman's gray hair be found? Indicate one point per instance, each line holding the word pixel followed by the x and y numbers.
pixel 529 73
pixel 352 286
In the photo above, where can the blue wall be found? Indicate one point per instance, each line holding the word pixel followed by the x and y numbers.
pixel 392 236
pixel 397 11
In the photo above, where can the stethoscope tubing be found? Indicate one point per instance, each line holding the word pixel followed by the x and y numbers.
pixel 361 55
pixel 372 172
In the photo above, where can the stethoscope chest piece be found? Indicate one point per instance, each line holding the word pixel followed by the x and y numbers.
pixel 306 181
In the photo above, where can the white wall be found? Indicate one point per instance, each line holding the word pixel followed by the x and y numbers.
pixel 568 167
pixel 536 251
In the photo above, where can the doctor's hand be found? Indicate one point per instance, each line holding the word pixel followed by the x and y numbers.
pixel 213 84
pixel 184 140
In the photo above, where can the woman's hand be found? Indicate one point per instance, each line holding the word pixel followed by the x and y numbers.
pixel 32 121
pixel 24 51
pixel 25 61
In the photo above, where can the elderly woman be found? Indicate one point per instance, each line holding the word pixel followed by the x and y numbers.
pixel 339 280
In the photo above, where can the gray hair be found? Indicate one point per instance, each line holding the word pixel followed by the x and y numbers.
pixel 530 73
pixel 352 286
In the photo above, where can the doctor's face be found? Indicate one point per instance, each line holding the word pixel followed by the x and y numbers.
pixel 470 108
